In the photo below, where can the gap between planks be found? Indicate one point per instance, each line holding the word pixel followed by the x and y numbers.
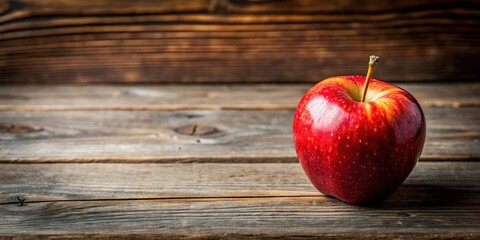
pixel 22 201
pixel 198 107
pixel 181 159
pixel 178 107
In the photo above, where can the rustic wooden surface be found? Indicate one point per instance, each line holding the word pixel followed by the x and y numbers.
pixel 239 199
pixel 193 97
pixel 97 182
pixel 213 161
pixel 195 135
pixel 249 123
pixel 89 41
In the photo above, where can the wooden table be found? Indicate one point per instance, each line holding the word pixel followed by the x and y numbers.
pixel 214 161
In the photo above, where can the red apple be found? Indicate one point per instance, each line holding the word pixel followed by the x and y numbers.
pixel 358 151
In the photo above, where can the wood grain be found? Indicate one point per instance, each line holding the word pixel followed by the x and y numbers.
pixel 337 235
pixel 343 235
pixel 58 41
pixel 36 183
pixel 194 97
pixel 94 181
pixel 260 200
pixel 18 9
pixel 195 136
pixel 288 217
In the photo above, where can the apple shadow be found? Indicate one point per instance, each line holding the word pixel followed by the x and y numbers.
pixel 429 196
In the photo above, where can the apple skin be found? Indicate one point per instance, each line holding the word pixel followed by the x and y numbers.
pixel 358 152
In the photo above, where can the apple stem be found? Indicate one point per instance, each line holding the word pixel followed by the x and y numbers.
pixel 371 66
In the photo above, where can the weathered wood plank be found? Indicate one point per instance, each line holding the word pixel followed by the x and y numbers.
pixel 59 41
pixel 438 199
pixel 171 97
pixel 77 182
pixel 292 216
pixel 438 235
pixel 195 136
pixel 18 9
pixel 54 182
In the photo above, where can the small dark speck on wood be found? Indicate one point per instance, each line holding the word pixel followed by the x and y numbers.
pixel 194 129
pixel 21 201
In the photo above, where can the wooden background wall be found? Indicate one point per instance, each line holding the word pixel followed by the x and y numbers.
pixel 171 41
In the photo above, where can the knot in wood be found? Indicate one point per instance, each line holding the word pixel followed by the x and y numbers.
pixel 196 130
pixel 18 129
